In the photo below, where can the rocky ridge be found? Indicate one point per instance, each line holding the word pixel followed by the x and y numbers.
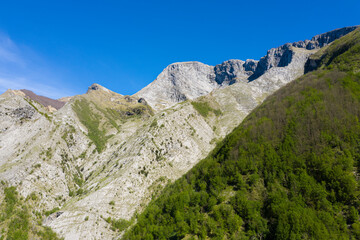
pixel 176 83
pixel 281 56
pixel 45 101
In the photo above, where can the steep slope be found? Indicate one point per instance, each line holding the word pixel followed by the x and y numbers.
pixel 103 112
pixel 289 171
pixel 189 80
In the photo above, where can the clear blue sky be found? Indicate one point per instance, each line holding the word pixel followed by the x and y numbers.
pixel 59 49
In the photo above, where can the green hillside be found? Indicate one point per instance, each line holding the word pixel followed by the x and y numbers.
pixel 289 171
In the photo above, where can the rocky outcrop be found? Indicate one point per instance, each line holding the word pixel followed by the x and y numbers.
pixel 142 101
pixel 26 112
pixel 281 56
pixel 324 39
pixel 275 57
pixel 97 87
pixel 114 103
pixel 312 64
pixel 232 71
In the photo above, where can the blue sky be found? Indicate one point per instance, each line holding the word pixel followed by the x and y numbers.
pixel 60 48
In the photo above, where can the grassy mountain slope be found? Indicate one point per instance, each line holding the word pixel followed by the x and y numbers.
pixel 104 111
pixel 289 171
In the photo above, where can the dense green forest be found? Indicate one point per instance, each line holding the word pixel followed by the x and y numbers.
pixel 289 171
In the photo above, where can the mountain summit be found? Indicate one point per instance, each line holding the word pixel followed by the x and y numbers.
pixel 97 87
pixel 189 80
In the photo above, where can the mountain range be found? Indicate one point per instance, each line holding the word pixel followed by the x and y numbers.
pixel 87 166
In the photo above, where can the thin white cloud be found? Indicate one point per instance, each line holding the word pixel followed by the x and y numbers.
pixel 9 52
pixel 23 68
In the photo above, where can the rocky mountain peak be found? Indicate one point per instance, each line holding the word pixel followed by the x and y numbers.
pixel 179 82
pixel 97 87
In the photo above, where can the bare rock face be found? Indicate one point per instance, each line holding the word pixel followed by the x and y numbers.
pixel 179 82
pixel 26 112
pixel 232 71
pixel 324 39
pixel 275 57
pixel 281 56
pixel 189 80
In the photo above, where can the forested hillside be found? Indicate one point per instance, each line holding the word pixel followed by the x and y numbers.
pixel 289 171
